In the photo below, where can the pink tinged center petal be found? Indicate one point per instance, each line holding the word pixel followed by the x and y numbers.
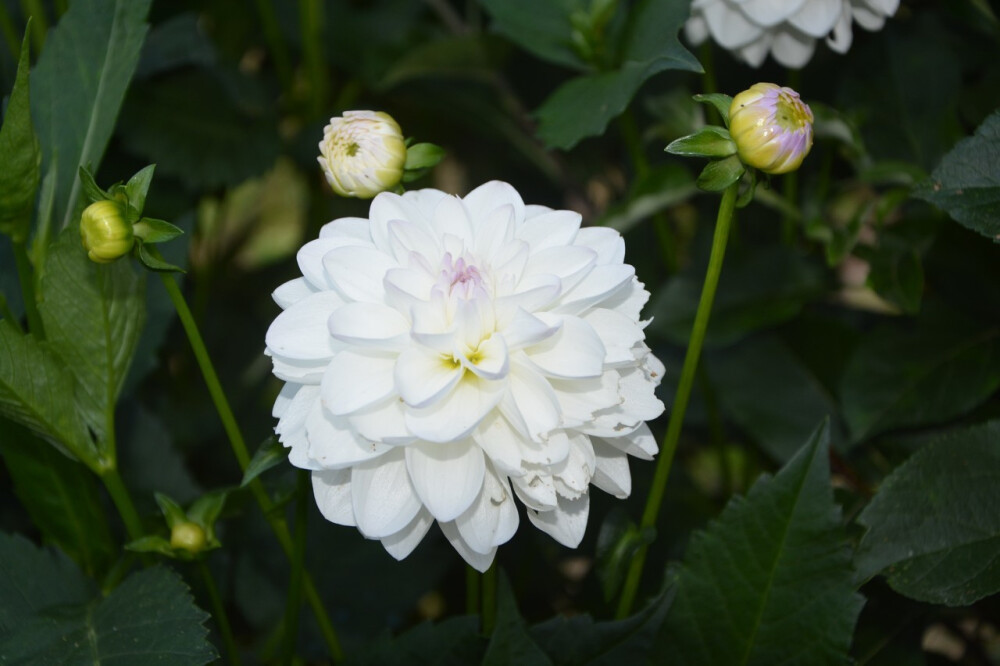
pixel 461 279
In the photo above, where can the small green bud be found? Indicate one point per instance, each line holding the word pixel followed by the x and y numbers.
pixel 187 536
pixel 105 232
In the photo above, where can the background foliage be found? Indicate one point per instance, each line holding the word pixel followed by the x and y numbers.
pixel 836 494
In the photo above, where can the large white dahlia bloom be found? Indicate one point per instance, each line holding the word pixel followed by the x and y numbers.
pixel 788 29
pixel 448 353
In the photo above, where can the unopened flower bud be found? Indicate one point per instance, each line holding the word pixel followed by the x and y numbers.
pixel 105 232
pixel 772 128
pixel 362 153
pixel 187 536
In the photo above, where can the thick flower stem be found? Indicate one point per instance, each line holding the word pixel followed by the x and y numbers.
pixel 722 225
pixel 25 277
pixel 294 600
pixel 219 614
pixel 489 594
pixel 276 521
pixel 123 502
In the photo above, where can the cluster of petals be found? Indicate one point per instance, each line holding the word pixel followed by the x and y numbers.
pixel 448 354
pixel 787 29
pixel 362 153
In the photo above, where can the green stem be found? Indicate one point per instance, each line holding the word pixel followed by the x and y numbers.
pixel 219 613
pixel 277 523
pixel 123 502
pixel 489 587
pixel 39 24
pixel 294 601
pixel 708 82
pixel 9 34
pixel 790 191
pixel 471 590
pixel 722 225
pixel 311 20
pixel 26 278
pixel 275 43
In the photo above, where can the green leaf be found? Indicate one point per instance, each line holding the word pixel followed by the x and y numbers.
pixel 720 174
pixel 511 643
pixel 455 640
pixel 617 543
pixel 423 155
pixel 154 262
pixel 171 510
pixel 151 230
pixel 61 496
pixel 36 390
pixel 904 375
pixel 934 525
pixel 191 128
pixel 577 640
pixel 270 453
pixel 769 581
pixel 206 509
pixel 663 186
pixel 709 141
pixel 585 105
pixel 151 544
pixel 138 186
pixel 758 288
pixel 966 184
pixel 19 154
pixel 175 42
pixel 78 86
pixel 467 57
pixel 93 315
pixel 771 394
pixel 721 102
pixel 50 614
pixel 91 190
pixel 541 27
pixel 897 275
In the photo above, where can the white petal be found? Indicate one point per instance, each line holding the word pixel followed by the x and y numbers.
pixel 612 473
pixel 348 227
pixel 607 243
pixel 628 301
pixel 580 399
pixel 536 491
pixel 792 48
pixel 639 443
pixel 292 292
pixel 488 197
pixel 600 284
pixel 284 399
pixel 357 272
pixel 817 17
pixel 567 262
pixel 297 404
pixel 310 258
pixel 730 29
pixel 566 523
pixel 451 218
pixel 499 441
pixel 357 379
pixel 575 350
pixel 402 543
pixel 423 202
pixel 478 561
pixel 557 228
pixel 406 237
pixel 572 475
pixel 524 329
pixel 446 476
pixel 617 332
pixel 300 332
pixel 383 422
pixel 494 232
pixel 386 207
pixel 769 13
pixel 492 518
pixel 301 372
pixel 334 444
pixel 369 324
pixel 384 500
pixel 459 413
pixel 531 295
pixel 756 51
pixel 423 376
pixel 841 37
pixel 490 360
pixel 530 403
pixel 332 490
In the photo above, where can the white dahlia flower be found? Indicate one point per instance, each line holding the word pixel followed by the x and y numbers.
pixel 362 153
pixel 449 353
pixel 788 29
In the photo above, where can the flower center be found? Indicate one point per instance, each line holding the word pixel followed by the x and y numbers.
pixel 353 148
pixel 460 278
pixel 791 113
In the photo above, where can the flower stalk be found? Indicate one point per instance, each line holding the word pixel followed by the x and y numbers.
pixel 219 613
pixel 24 276
pixel 654 500
pixel 112 481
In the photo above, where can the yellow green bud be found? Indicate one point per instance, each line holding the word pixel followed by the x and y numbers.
pixel 187 536
pixel 362 153
pixel 105 232
pixel 772 128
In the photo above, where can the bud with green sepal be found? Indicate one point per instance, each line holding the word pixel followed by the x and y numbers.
pixel 113 225
pixel 420 158
pixel 192 532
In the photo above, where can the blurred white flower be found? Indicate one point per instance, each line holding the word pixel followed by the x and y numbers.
pixel 788 29
pixel 449 353
pixel 362 153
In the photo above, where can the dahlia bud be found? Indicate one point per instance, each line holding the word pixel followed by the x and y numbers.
pixel 187 536
pixel 772 128
pixel 362 153
pixel 105 232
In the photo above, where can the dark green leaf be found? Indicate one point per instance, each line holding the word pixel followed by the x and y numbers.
pixel 510 642
pixel 664 186
pixel 928 371
pixel 78 86
pixel 617 543
pixel 720 174
pixel 93 316
pixel 91 190
pixel 770 581
pixel 771 394
pixel 270 453
pixel 151 544
pixel 172 512
pixel 206 509
pixel 577 640
pixel 461 57
pixel 934 526
pixel 154 262
pixel 148 457
pixel 175 42
pixel 61 496
pixel 719 101
pixel 709 141
pixel 138 186
pixel 151 230
pixel 36 390
pixel 540 26
pixel 897 275
pixel 423 155
pixel 452 641
pixel 966 184
pixel 758 288
pixel 19 155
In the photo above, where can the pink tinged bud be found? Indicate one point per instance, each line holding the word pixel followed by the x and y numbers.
pixel 772 128
pixel 362 153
